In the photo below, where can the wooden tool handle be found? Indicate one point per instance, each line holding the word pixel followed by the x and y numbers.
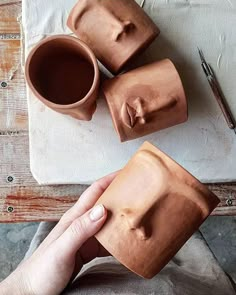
pixel 224 107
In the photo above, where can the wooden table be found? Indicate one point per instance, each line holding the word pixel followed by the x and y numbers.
pixel 21 198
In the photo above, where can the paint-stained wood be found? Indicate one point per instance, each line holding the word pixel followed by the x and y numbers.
pixel 37 203
pixel 21 198
pixel 9 16
pixel 50 202
pixel 13 104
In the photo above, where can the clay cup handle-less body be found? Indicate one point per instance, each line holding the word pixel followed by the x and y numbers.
pixel 63 73
pixel 116 30
pixel 154 206
pixel 145 100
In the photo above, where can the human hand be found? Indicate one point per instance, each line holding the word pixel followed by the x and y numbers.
pixel 68 246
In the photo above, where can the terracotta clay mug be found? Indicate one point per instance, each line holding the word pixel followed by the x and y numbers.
pixel 154 206
pixel 63 73
pixel 116 30
pixel 146 99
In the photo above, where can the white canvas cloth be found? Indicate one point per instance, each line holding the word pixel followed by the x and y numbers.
pixel 65 150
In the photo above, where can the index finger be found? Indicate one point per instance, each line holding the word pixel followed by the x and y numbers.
pixel 89 197
pixel 86 201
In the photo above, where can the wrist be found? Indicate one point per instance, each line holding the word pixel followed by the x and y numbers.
pixel 15 284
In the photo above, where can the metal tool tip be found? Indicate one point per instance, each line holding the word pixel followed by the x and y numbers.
pixel 201 54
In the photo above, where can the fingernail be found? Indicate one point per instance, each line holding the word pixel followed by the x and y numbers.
pixel 97 213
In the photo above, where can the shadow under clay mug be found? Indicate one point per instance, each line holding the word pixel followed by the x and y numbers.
pixel 146 100
pixel 116 30
pixel 154 206
pixel 63 73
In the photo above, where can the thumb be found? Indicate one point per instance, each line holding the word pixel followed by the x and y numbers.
pixel 81 230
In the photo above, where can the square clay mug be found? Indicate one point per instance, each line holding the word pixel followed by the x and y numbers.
pixel 63 73
pixel 154 206
pixel 145 100
pixel 116 30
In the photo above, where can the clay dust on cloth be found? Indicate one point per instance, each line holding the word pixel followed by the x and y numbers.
pixel 65 150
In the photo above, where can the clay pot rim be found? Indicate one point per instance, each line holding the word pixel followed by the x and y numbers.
pixel 90 54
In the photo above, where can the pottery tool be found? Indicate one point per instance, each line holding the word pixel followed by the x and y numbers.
pixel 217 92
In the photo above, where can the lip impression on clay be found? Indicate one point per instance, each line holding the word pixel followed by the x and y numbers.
pixel 128 114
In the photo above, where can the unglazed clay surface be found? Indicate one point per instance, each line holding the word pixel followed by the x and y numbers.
pixel 146 100
pixel 154 206
pixel 114 30
pixel 63 73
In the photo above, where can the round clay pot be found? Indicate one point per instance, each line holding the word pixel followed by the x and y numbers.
pixel 63 73
pixel 116 30
pixel 154 206
pixel 146 100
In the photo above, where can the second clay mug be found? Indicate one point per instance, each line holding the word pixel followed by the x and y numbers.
pixel 63 73
pixel 116 30
pixel 146 100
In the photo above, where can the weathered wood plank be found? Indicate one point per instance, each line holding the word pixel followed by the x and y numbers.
pixel 227 195
pixel 14 161
pixel 13 106
pixel 9 13
pixel 9 2
pixel 37 203
pixel 48 203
